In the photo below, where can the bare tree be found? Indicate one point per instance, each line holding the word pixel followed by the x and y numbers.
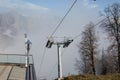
pixel 88 48
pixel 112 26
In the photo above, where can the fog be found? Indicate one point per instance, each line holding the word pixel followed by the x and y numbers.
pixel 39 22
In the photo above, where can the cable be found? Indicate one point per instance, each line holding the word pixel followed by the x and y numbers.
pixel 100 21
pixel 43 56
pixel 64 50
pixel 58 27
pixel 56 30
pixel 63 18
pixel 55 65
pixel 94 25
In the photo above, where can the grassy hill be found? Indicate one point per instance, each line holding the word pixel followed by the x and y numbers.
pixel 92 77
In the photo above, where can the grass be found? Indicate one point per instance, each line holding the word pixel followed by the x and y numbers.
pixel 92 77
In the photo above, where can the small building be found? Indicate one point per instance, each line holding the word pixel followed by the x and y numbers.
pixel 12 67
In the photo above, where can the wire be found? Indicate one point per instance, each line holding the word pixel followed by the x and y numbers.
pixel 43 56
pixel 94 25
pixel 52 69
pixel 55 65
pixel 100 21
pixel 73 39
pixel 58 27
pixel 63 18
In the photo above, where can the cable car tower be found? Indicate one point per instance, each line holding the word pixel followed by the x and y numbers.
pixel 65 44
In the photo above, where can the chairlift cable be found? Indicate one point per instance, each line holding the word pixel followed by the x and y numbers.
pixel 94 25
pixel 42 60
pixel 55 65
pixel 63 18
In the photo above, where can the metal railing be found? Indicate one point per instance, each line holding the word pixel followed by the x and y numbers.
pixel 14 59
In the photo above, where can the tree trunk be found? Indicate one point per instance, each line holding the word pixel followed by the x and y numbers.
pixel 118 58
pixel 93 66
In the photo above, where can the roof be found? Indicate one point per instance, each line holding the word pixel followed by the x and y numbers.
pixel 8 72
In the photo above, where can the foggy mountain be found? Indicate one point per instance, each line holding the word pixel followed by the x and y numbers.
pixel 11 24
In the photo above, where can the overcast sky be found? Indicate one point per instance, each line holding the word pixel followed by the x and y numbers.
pixel 42 17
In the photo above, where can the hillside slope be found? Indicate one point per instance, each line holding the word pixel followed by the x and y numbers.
pixel 92 77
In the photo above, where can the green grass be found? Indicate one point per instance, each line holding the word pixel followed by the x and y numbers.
pixel 92 77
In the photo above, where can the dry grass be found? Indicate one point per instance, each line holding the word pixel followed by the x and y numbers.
pixel 92 77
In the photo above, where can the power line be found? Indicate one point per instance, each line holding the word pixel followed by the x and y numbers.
pixel 63 18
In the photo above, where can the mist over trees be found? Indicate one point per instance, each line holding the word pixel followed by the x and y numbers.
pixel 109 61
pixel 88 49
pixel 112 27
